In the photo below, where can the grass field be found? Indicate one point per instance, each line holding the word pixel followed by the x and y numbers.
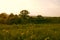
pixel 30 32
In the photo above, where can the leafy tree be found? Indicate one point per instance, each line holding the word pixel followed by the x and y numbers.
pixel 3 15
pixel 40 19
pixel 39 16
pixel 16 19
pixel 24 16
pixel 10 19
pixel 3 18
pixel 11 15
pixel 24 13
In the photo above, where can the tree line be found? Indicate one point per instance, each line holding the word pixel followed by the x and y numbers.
pixel 24 18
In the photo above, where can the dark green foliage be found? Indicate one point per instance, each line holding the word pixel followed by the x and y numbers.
pixel 24 18
pixel 24 12
pixel 25 27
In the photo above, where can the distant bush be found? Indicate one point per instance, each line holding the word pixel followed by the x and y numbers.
pixel 24 18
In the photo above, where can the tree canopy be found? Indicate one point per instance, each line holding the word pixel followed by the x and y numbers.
pixel 24 18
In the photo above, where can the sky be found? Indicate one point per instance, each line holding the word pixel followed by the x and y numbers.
pixel 35 7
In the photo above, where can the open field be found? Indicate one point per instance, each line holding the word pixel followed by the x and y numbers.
pixel 30 32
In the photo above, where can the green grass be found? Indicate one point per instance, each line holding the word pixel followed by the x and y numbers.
pixel 30 32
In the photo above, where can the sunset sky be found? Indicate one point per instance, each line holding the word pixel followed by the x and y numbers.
pixel 35 7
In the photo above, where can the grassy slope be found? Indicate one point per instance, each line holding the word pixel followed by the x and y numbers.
pixel 30 32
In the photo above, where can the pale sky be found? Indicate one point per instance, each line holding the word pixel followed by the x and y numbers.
pixel 35 7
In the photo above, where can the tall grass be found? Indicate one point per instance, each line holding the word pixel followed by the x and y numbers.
pixel 30 32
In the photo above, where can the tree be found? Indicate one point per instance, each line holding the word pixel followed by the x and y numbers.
pixel 16 19
pixel 11 15
pixel 3 18
pixel 3 15
pixel 10 19
pixel 40 19
pixel 24 13
pixel 24 16
pixel 39 16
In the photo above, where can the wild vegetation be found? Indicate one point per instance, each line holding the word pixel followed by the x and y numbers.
pixel 30 32
pixel 24 18
pixel 25 27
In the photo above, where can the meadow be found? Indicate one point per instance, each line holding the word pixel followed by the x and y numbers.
pixel 30 32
